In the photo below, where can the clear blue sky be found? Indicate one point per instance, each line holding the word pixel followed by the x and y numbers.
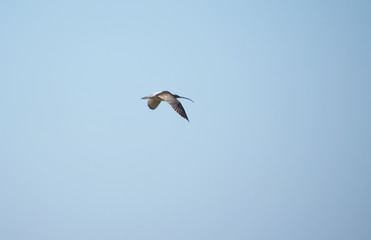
pixel 279 140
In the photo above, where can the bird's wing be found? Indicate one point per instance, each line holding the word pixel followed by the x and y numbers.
pixel 153 103
pixel 177 106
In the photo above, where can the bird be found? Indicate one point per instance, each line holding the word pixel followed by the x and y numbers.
pixel 155 99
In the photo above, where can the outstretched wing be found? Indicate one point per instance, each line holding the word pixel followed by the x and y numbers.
pixel 153 103
pixel 174 103
pixel 177 106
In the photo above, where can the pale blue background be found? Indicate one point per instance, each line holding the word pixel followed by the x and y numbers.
pixel 278 144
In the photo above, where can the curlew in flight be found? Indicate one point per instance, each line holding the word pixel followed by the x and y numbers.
pixel 155 99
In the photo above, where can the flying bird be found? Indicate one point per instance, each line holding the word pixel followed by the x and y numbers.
pixel 155 99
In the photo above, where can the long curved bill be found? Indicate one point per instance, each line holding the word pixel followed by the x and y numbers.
pixel 186 98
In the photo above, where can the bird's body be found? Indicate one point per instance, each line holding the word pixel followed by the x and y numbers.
pixel 155 99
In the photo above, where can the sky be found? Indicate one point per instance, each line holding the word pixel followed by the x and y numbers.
pixel 278 143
